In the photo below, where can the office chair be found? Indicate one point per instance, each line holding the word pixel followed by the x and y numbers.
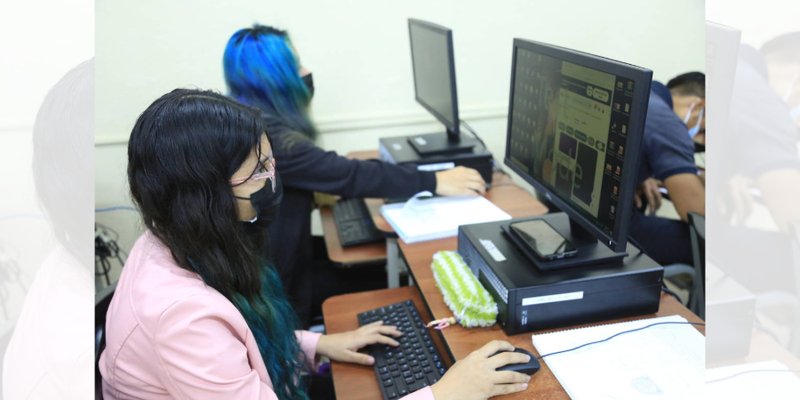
pixel 794 233
pixel 697 234
pixel 101 303
pixel 695 272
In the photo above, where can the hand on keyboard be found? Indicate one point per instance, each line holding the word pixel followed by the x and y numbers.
pixel 344 346
pixel 474 377
pixel 416 363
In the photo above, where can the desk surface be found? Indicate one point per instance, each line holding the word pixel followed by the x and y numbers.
pixel 504 193
pixel 460 341
pixel 359 382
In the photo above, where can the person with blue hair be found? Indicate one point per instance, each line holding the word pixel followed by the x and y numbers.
pixel 262 70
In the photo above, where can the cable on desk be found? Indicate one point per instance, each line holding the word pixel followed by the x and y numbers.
pixel 621 333
pixel 472 131
pixel 637 244
pixel 22 215
pixel 669 291
pixel 475 135
pixel 116 208
pixel 759 325
pixel 794 371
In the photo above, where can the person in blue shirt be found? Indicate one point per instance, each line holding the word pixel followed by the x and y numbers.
pixel 782 62
pixel 674 115
pixel 757 168
pixel 263 70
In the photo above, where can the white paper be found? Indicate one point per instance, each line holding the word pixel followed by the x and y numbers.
pixel 767 379
pixel 422 220
pixel 660 362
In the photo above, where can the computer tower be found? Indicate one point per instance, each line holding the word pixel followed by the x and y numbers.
pixel 530 299
pixel 730 312
pixel 397 150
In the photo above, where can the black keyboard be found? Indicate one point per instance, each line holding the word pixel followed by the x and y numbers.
pixel 354 223
pixel 416 363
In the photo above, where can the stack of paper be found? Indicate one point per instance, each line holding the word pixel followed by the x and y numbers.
pixel 419 220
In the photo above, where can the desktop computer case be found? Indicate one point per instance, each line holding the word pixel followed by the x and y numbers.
pixel 397 150
pixel 529 299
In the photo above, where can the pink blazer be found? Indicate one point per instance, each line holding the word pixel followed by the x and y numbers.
pixel 168 335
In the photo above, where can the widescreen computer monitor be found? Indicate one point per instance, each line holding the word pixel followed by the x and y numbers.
pixel 435 87
pixel 575 125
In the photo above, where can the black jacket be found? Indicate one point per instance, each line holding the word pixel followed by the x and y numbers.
pixel 305 168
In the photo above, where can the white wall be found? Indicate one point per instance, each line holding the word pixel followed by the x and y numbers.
pixel 758 21
pixel 32 60
pixel 358 51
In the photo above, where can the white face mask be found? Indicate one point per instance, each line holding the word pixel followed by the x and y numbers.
pixel 693 131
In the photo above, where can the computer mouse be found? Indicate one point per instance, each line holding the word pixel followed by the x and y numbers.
pixel 529 367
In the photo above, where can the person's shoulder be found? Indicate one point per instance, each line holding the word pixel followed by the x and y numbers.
pixel 155 283
pixel 661 119
pixel 292 143
pixel 656 105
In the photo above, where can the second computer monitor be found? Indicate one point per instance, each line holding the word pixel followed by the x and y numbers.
pixel 574 131
pixel 435 86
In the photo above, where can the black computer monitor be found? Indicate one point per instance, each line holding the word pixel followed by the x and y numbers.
pixel 575 125
pixel 435 87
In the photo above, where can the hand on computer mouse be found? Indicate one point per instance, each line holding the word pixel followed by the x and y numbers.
pixel 529 367
pixel 459 181
pixel 476 378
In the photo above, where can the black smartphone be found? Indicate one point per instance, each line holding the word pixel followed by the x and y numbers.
pixel 545 241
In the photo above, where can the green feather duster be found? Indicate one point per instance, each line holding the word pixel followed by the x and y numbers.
pixel 469 301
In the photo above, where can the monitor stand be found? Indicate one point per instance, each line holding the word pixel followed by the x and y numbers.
pixel 441 143
pixel 590 250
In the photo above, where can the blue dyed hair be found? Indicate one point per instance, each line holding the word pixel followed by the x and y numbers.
pixel 182 153
pixel 262 70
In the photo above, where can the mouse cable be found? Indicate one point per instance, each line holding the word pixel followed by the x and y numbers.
pixel 752 371
pixel 621 333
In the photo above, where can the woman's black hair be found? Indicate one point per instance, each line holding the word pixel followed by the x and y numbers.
pixel 182 153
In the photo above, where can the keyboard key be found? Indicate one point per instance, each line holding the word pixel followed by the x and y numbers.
pixel 431 378
pixel 416 386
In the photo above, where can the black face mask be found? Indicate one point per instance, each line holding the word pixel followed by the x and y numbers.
pixel 266 202
pixel 309 81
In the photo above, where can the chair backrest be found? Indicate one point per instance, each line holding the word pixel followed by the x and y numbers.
pixel 697 232
pixel 102 300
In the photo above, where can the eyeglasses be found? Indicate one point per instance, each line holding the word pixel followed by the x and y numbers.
pixel 263 172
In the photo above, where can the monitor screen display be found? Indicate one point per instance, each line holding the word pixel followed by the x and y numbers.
pixel 434 72
pixel 572 124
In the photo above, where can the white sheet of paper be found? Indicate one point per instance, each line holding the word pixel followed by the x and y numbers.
pixel 439 217
pixel 660 362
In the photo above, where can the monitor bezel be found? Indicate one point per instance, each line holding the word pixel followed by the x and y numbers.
pixel 452 127
pixel 642 77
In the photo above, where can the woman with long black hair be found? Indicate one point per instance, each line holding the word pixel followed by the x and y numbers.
pixel 199 312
